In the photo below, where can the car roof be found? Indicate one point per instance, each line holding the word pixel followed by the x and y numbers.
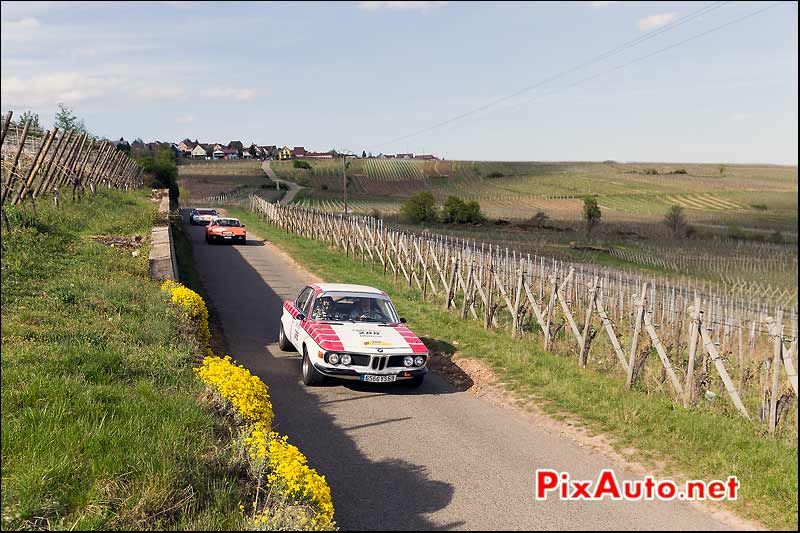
pixel 206 209
pixel 347 287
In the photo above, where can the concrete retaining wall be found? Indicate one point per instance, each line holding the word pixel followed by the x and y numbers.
pixel 162 260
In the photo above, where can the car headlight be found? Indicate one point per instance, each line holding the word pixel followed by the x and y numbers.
pixel 419 360
pixel 346 359
pixel 408 360
pixel 333 358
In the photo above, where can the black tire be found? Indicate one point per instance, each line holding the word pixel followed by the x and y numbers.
pixel 311 375
pixel 414 382
pixel 283 342
pixel 208 239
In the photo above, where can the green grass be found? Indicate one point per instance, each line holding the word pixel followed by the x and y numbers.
pixel 692 444
pixel 102 428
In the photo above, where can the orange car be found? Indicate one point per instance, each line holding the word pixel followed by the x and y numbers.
pixel 225 229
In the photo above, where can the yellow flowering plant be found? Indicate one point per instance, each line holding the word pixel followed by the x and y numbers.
pixel 287 472
pixel 195 308
pixel 297 497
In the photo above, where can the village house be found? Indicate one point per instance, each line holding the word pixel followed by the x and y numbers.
pixel 298 152
pixel 186 146
pixel 199 151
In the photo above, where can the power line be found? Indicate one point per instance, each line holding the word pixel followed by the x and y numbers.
pixel 628 44
pixel 651 54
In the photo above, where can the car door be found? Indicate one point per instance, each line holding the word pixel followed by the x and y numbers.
pixel 296 330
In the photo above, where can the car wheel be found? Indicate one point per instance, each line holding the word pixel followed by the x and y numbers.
pixel 414 382
pixel 311 375
pixel 283 342
pixel 208 239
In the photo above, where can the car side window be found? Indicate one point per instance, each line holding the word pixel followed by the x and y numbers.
pixel 302 298
pixel 307 304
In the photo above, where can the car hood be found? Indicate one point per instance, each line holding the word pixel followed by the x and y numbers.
pixel 366 338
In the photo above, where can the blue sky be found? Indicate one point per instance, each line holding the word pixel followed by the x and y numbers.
pixel 354 75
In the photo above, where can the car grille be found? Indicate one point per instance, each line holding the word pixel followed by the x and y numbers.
pixel 359 360
pixel 378 362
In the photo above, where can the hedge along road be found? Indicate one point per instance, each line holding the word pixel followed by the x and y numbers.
pixel 395 458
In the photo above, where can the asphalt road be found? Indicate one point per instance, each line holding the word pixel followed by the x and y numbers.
pixel 293 187
pixel 433 458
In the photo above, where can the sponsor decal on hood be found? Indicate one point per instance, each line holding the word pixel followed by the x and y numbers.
pixel 361 338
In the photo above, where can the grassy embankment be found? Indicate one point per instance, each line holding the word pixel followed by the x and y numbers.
pixel 697 445
pixel 102 428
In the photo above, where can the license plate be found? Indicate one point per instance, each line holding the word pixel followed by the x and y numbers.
pixel 228 237
pixel 378 379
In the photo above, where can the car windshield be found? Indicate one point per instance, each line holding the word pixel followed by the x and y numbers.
pixel 206 212
pixel 355 307
pixel 229 222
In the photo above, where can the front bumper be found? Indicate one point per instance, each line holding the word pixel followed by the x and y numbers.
pixel 353 374
pixel 231 238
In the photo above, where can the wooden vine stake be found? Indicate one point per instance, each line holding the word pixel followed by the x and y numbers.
pixel 637 328
pixel 694 328
pixel 711 349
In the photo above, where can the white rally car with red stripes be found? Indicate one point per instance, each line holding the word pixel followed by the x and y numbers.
pixel 351 332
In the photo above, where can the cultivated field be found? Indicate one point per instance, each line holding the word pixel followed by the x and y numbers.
pixel 763 197
pixel 203 179
pixel 744 215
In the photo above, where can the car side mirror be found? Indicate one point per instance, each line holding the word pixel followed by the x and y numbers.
pixel 300 317
pixel 402 320
pixel 244 225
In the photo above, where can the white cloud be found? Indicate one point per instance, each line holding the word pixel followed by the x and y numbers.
pixel 186 119
pixel 158 93
pixel 400 6
pixel 231 93
pixel 23 9
pixel 19 30
pixel 604 4
pixel 47 89
pixel 654 21
pixel 737 117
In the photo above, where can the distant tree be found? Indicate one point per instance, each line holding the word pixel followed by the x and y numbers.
pixel 721 170
pixel 419 207
pixel 457 211
pixel 364 155
pixel 675 220
pixel 591 213
pixel 161 170
pixel 33 117
pixel 776 237
pixel 123 146
pixel 540 219
pixel 301 164
pixel 67 120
